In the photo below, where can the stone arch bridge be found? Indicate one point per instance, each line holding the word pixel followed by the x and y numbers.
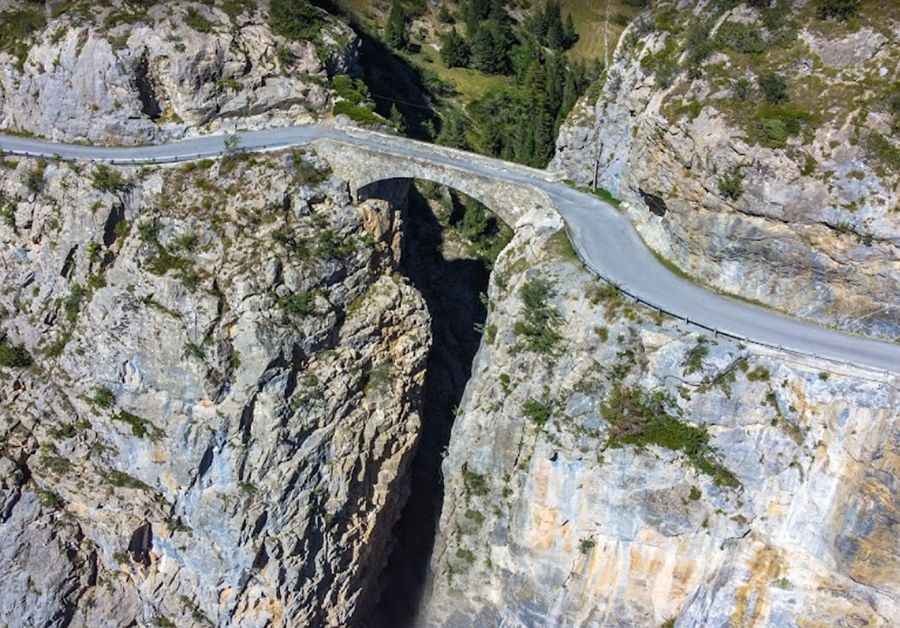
pixel 604 239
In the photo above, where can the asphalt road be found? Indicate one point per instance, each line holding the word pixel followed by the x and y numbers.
pixel 605 240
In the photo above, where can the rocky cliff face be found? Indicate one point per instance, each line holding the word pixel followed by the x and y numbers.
pixel 609 467
pixel 137 72
pixel 210 379
pixel 786 194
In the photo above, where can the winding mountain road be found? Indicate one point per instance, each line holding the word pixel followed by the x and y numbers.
pixel 604 239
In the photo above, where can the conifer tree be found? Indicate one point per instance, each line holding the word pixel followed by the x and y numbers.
pixel 395 29
pixel 570 34
pixel 453 131
pixel 454 50
pixel 397 119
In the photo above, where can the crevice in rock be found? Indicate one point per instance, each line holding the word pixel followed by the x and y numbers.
pixel 452 289
pixel 110 231
pixel 141 543
pixel 654 203
pixel 149 101
pixel 69 263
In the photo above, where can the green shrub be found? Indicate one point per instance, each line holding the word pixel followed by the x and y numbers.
pixel 299 304
pixel 331 246
pixel 195 20
pixel 120 479
pixel 295 19
pixel 640 418
pixel 35 180
pixel 731 184
pixel 775 124
pixel 18 26
pixel 139 427
pixel 693 361
pixel 837 9
pixel 106 179
pixel 474 483
pixel 774 88
pixel 72 304
pixel 353 90
pixel 539 323
pixel 306 173
pixel 744 38
pixel 8 215
pixel 742 89
pixel 538 411
pixel 14 356
pixel 103 397
pixel 357 113
pixel 586 545
pixel 880 148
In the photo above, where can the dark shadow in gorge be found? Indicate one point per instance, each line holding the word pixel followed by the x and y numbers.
pixel 452 289
pixel 391 80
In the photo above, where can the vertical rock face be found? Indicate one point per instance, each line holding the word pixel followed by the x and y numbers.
pixel 609 467
pixel 210 379
pixel 791 203
pixel 130 73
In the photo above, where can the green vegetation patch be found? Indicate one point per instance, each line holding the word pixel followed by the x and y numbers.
pixel 14 356
pixel 640 418
pixel 139 427
pixel 296 20
pixel 602 193
pixel 163 261
pixel 744 38
pixel 693 361
pixel 195 20
pixel 475 483
pixel 299 304
pixel 120 479
pixel 16 27
pixel 103 397
pixel 486 236
pixel 538 326
pixel 539 411
pixel 354 100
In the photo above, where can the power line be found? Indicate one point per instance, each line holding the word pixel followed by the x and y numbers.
pixel 402 102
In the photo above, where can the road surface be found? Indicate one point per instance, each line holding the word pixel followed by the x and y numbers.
pixel 604 239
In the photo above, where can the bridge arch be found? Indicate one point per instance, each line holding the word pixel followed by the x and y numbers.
pixel 364 169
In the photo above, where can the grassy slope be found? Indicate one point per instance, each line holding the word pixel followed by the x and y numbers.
pixel 590 18
pixel 588 15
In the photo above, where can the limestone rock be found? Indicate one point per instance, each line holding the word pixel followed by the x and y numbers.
pixel 812 228
pixel 639 472
pixel 123 73
pixel 223 400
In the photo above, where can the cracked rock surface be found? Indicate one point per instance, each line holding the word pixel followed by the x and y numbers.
pixel 814 228
pixel 223 394
pixel 132 73
pixel 638 473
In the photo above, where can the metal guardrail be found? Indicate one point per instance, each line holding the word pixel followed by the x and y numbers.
pixel 716 332
pixel 621 288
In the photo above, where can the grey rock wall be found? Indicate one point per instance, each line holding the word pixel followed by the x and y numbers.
pixel 120 73
pixel 223 400
pixel 639 474
pixel 814 230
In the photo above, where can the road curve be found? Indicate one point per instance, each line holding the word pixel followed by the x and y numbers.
pixel 605 240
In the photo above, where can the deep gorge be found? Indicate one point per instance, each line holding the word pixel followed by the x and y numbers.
pixel 453 287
